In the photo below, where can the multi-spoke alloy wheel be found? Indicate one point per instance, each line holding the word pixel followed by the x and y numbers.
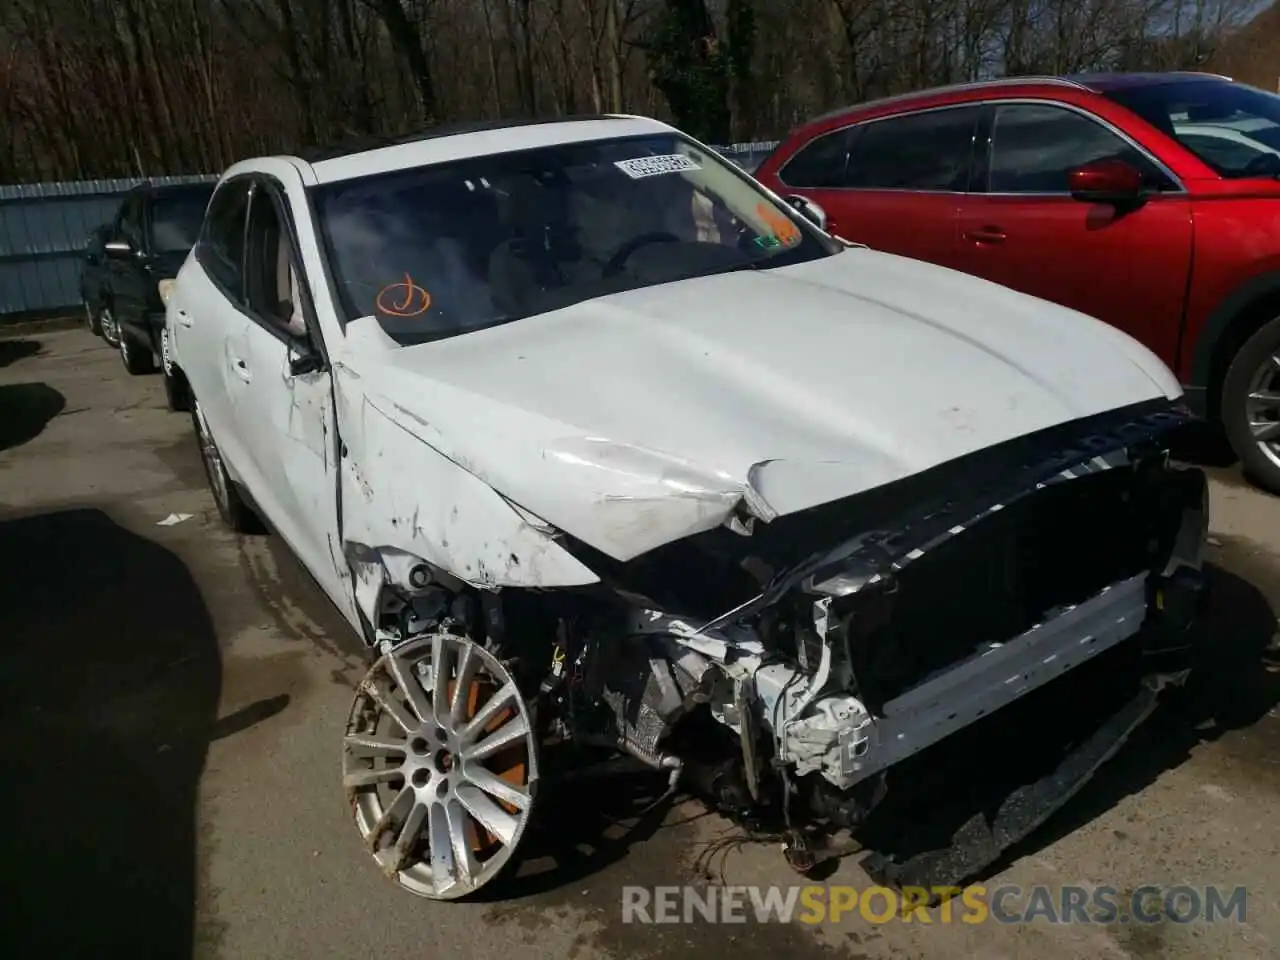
pixel 1250 405
pixel 440 764
pixel 110 332
pixel 1262 407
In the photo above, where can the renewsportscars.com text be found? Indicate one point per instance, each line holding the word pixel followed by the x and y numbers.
pixel 1009 904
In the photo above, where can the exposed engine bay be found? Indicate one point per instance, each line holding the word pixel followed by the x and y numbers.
pixel 782 672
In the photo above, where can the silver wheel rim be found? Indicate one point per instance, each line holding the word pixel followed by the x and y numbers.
pixel 165 360
pixel 1262 408
pixel 212 459
pixel 109 326
pixel 440 764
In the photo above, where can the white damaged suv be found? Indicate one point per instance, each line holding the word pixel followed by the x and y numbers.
pixel 595 442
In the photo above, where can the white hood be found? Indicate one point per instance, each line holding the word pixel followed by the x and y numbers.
pixel 635 419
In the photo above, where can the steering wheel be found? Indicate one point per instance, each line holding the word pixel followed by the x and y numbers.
pixel 1263 165
pixel 624 252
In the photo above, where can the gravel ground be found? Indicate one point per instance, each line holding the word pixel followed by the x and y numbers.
pixel 175 694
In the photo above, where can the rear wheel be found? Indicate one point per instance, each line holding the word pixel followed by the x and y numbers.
pixel 233 510
pixel 91 319
pixel 175 393
pixel 107 323
pixel 1251 406
pixel 137 359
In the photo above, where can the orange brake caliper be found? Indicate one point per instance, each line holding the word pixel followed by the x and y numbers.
pixel 514 773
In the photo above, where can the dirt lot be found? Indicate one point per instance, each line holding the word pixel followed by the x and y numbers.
pixel 174 697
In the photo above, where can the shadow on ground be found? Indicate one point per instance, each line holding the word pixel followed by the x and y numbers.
pixel 25 410
pixel 584 826
pixel 1235 682
pixel 109 682
pixel 13 350
pixel 596 837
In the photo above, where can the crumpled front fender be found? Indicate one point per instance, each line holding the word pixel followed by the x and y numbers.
pixel 401 497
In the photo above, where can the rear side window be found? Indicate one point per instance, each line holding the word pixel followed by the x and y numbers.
pixel 1035 146
pixel 221 246
pixel 131 221
pixel 176 218
pixel 921 151
pixel 819 163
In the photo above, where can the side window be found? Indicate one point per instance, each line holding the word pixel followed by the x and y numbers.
pixel 819 163
pixel 921 151
pixel 271 279
pixel 131 221
pixel 1223 150
pixel 1035 146
pixel 221 245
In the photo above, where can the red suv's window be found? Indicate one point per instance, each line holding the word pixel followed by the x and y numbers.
pixel 1035 145
pixel 931 150
pixel 1232 127
pixel 919 151
pixel 820 163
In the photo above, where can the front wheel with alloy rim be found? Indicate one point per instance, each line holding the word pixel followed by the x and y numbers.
pixel 1251 406
pixel 234 511
pixel 440 765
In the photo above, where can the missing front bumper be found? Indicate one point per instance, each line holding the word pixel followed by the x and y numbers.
pixel 1030 760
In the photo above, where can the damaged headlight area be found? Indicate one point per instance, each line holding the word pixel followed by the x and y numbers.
pixel 801 678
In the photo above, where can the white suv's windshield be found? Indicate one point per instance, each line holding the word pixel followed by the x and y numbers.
pixel 1232 127
pixel 440 250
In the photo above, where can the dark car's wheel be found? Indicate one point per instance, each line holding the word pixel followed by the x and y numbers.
pixel 1251 406
pixel 175 388
pixel 92 320
pixel 233 510
pixel 136 357
pixel 107 324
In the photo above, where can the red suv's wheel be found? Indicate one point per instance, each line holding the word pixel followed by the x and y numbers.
pixel 1251 406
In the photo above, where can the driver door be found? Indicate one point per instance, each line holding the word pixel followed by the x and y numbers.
pixel 282 397
pixel 1023 229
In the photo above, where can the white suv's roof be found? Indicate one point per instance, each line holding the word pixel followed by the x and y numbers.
pixel 457 146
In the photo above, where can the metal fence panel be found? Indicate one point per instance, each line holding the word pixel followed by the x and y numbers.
pixel 44 226
pixel 43 229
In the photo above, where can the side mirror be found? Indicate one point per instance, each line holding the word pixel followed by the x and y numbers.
pixel 303 359
pixel 809 210
pixel 1106 181
pixel 118 249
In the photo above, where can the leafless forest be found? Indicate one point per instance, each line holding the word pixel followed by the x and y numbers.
pixel 98 88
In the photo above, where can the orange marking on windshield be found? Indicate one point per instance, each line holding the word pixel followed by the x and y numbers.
pixel 782 227
pixel 415 299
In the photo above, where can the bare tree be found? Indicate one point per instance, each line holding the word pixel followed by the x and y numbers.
pixel 94 88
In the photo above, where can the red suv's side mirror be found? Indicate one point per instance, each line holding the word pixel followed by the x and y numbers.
pixel 1106 181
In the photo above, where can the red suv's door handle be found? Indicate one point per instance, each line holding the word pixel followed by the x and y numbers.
pixel 987 235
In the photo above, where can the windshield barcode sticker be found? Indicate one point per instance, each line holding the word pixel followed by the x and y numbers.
pixel 656 166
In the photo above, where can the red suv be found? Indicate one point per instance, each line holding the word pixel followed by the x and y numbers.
pixel 1150 201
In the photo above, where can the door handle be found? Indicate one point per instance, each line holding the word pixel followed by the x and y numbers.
pixel 987 234
pixel 242 369
pixel 184 318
